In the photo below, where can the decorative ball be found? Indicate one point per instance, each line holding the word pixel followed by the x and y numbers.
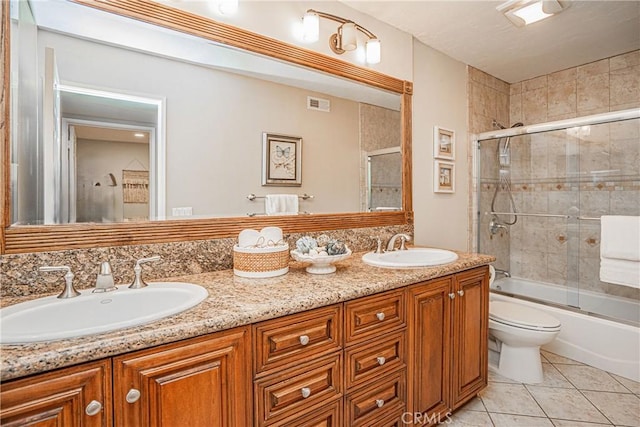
pixel 336 247
pixel 305 244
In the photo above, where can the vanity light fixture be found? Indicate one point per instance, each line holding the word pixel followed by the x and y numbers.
pixel 525 12
pixel 345 38
pixel 227 7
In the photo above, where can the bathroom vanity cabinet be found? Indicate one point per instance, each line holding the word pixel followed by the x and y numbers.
pixel 448 332
pixel 377 360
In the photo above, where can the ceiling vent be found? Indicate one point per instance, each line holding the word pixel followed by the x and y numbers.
pixel 318 104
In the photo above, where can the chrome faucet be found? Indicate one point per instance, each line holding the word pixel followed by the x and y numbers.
pixel 138 283
pixel 403 239
pixel 378 249
pixel 104 281
pixel 69 291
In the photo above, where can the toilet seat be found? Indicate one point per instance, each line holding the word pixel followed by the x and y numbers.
pixel 523 317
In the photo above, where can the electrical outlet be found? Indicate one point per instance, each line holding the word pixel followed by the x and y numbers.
pixel 185 211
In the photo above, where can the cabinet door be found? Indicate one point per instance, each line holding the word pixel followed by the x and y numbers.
pixel 470 324
pixel 202 382
pixel 429 343
pixel 70 397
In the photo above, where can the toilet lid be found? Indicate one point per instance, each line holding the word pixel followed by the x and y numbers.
pixel 521 315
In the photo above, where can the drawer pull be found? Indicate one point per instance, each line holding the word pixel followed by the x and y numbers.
pixel 304 339
pixel 93 408
pixel 381 360
pixel 379 403
pixel 452 295
pixel 461 292
pixel 306 392
pixel 380 316
pixel 133 396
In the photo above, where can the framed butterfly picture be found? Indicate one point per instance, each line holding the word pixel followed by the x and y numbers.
pixel 281 160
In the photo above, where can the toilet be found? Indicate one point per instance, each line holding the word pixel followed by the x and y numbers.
pixel 516 333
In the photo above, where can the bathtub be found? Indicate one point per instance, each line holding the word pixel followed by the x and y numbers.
pixel 606 344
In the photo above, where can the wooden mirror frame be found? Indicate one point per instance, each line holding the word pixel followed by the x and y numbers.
pixel 22 239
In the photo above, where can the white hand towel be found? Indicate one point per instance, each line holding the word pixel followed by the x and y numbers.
pixel 281 204
pixel 620 272
pixel 620 237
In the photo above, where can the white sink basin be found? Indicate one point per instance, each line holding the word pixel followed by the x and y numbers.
pixel 412 258
pixel 50 318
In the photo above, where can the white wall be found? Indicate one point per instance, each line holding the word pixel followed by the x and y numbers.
pixel 439 99
pixel 214 127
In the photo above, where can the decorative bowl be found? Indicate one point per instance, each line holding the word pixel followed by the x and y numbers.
pixel 320 264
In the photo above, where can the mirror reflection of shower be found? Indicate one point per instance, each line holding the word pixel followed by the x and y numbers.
pixel 384 180
pixel 503 155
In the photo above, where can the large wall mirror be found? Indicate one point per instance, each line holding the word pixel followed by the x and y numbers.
pixel 137 123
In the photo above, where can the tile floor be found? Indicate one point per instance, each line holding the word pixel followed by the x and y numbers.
pixel 572 395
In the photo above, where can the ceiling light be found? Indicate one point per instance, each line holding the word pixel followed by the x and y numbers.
pixel 345 38
pixel 525 12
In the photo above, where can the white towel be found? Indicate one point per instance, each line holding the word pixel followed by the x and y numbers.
pixel 281 204
pixel 620 237
pixel 620 272
pixel 620 250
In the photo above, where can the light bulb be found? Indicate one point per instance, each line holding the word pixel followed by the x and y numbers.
pixel 311 27
pixel 349 36
pixel 373 51
pixel 228 7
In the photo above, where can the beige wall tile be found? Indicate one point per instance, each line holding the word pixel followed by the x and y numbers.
pixel 534 106
pixel 593 68
pixel 625 86
pixel 535 83
pixel 625 60
pixel 593 93
pixel 515 88
pixel 562 76
pixel 562 98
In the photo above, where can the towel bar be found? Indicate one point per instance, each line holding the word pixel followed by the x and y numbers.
pixel 252 197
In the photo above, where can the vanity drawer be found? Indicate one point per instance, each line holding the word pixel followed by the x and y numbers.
pixel 298 391
pixel 377 401
pixel 374 359
pixel 329 415
pixel 374 315
pixel 294 338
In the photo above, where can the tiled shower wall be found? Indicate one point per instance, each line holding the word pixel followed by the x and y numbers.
pixel 595 170
pixel 488 100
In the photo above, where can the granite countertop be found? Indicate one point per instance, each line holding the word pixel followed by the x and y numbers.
pixel 233 301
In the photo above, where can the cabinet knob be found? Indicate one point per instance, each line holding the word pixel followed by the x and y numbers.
pixel 452 295
pixel 133 396
pixel 381 360
pixel 93 408
pixel 304 339
pixel 379 403
pixel 380 316
pixel 461 292
pixel 306 392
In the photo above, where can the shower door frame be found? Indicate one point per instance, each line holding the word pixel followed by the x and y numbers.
pixel 572 219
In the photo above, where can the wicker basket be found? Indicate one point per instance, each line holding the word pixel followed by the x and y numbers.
pixel 261 262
